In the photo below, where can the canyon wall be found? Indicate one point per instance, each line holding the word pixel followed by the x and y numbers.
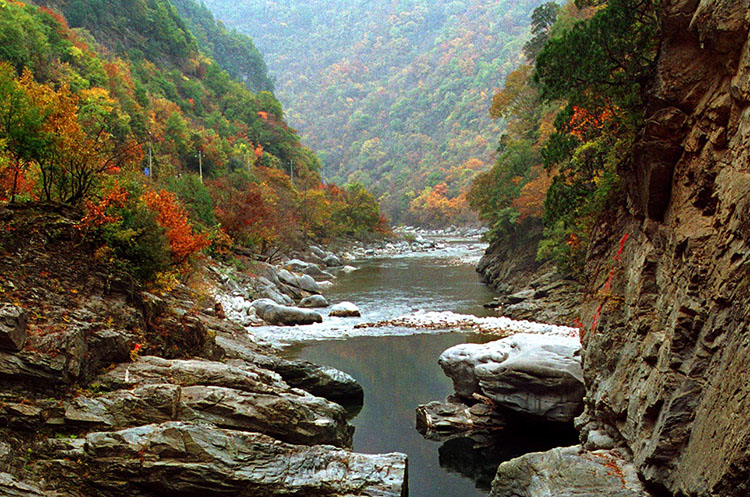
pixel 667 366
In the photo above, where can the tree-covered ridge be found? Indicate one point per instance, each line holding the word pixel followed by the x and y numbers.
pixel 234 52
pixel 392 94
pixel 164 151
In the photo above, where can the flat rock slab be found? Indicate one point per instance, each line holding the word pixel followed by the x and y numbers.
pixel 175 458
pixel 526 373
pixel 568 472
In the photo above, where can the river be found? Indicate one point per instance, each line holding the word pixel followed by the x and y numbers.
pixel 397 367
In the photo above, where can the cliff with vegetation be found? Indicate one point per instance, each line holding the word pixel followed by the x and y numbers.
pixel 666 365
pixel 648 207
pixel 392 94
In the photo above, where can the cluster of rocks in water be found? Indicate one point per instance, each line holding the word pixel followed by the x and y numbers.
pixel 289 294
pixel 527 384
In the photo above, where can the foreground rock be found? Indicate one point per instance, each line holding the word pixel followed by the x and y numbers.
pixel 345 310
pixel 568 472
pixel 525 373
pixel 235 396
pixel 174 458
pixel 282 315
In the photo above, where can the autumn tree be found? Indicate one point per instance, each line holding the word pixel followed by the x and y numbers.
pixel 183 242
pixel 22 139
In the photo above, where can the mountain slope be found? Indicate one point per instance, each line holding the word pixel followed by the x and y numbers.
pixel 392 94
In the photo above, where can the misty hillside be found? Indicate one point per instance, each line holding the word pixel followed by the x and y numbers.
pixel 392 94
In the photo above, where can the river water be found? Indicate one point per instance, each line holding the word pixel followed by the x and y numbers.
pixel 397 367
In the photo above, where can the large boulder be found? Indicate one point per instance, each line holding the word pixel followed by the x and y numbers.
pixel 282 315
pixel 525 373
pixel 568 472
pixel 234 396
pixel 12 327
pixel 177 458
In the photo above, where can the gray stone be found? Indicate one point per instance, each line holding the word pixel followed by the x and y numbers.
pixel 314 301
pixel 520 296
pixel 526 373
pixel 568 472
pixel 317 273
pixel 345 310
pixel 332 261
pixel 288 278
pixel 272 293
pixel 443 420
pixel 12 327
pixel 308 284
pixel 177 458
pixel 276 314
pixel 322 381
pixel 149 370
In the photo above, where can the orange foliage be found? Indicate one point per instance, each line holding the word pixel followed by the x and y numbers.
pixel 172 217
pixel 584 121
pixel 530 203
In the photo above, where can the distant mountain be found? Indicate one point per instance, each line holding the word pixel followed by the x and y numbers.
pixel 391 94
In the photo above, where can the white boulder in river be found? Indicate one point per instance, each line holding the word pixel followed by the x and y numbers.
pixel 526 373
pixel 345 310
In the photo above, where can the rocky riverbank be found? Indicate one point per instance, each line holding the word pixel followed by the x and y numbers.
pixel 110 390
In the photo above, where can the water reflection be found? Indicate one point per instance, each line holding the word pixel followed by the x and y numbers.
pixel 478 457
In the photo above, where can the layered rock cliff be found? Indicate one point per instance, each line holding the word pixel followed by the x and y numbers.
pixel 666 368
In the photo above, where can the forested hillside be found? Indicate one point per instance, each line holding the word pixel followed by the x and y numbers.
pixel 117 108
pixel 392 94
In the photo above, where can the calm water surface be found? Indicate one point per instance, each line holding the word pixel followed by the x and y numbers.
pixel 399 371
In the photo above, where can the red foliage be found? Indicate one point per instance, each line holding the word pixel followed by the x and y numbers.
pixel 99 213
pixel 172 217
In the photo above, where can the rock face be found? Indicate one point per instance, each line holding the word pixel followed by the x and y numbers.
pixel 174 458
pixel 667 368
pixel 568 472
pixel 526 373
pixel 12 327
pixel 273 313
